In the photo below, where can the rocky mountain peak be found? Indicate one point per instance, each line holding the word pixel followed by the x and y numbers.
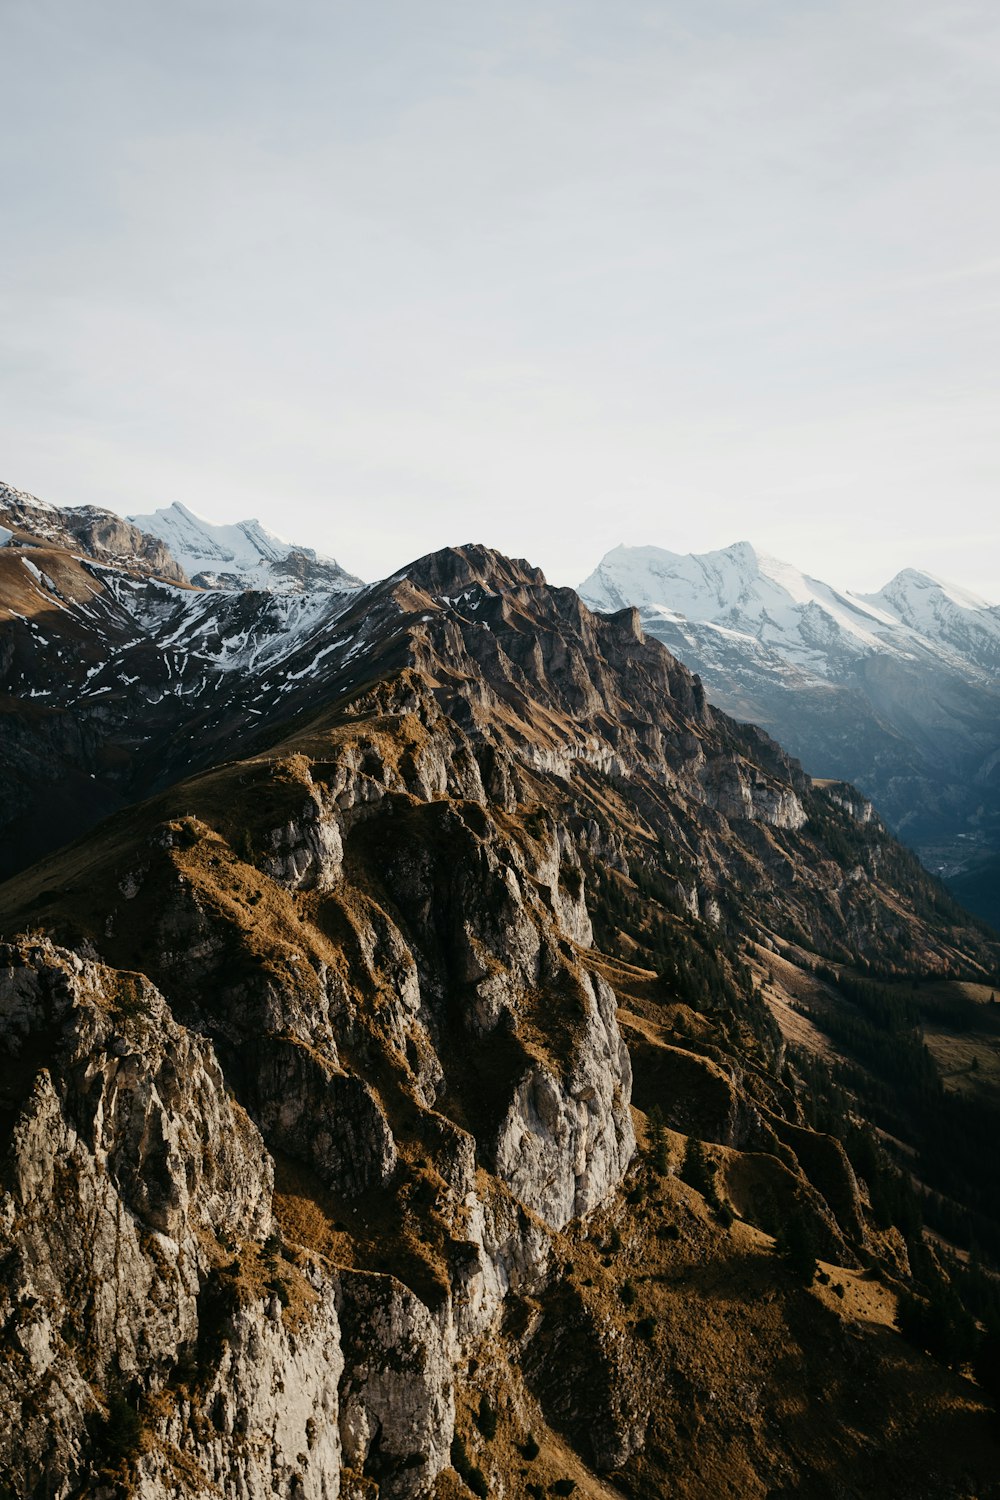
pixel 452 569
pixel 915 581
pixel 101 534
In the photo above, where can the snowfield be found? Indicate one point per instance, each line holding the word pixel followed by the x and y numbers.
pixel 245 555
pixel 804 621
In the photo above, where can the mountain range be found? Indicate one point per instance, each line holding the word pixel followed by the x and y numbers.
pixel 125 678
pixel 897 691
pixel 455 1058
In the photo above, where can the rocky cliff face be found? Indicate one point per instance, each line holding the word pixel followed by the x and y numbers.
pixel 364 1040
pixel 144 1274
pixel 98 533
pixel 317 1119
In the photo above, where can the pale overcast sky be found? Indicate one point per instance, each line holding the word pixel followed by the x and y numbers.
pixel 390 274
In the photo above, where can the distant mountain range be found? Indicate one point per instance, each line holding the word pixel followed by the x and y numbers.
pixel 244 555
pixel 897 691
pixel 121 676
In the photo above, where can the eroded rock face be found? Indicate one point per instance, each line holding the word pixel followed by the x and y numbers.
pixel 563 1146
pixel 128 1165
pixel 851 800
pixel 265 1421
pixel 307 852
pixel 134 1156
pixel 100 533
pixel 398 1396
pixel 738 791
pixel 323 1116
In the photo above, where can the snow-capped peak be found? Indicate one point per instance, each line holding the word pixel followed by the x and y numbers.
pixel 740 589
pixel 915 590
pixel 944 613
pixel 244 554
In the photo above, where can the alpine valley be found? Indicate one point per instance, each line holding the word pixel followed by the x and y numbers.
pixel 897 691
pixel 454 1058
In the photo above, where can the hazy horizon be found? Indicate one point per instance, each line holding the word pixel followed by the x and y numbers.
pixel 551 276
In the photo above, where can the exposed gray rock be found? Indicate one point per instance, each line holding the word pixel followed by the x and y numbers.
pixel 564 1144
pixel 99 533
pixel 133 1159
pixel 398 1398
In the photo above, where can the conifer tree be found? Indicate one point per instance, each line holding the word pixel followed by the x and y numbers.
pixel 659 1154
pixel 695 1169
